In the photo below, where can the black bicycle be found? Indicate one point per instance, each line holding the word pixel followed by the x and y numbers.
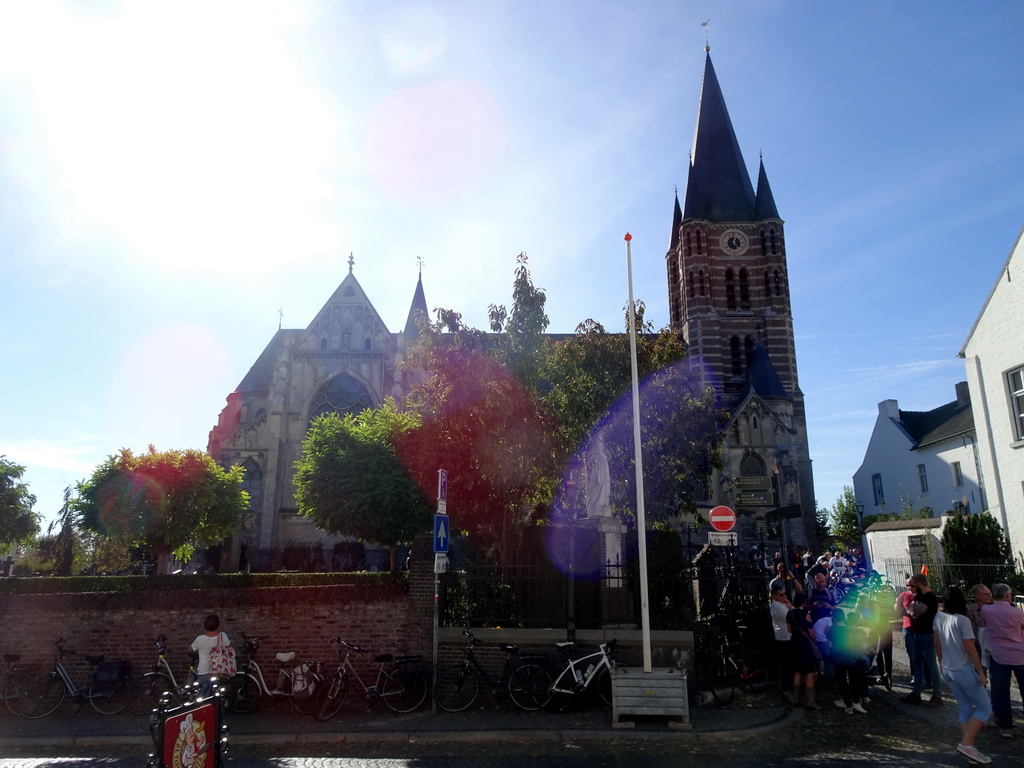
pixel 732 665
pixel 523 678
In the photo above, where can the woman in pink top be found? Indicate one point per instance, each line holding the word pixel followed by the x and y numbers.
pixel 1004 624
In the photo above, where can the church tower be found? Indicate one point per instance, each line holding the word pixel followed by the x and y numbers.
pixel 729 299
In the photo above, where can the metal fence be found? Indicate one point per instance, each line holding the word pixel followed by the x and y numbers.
pixel 942 575
pixel 539 596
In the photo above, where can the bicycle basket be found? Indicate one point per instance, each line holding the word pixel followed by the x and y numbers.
pixel 109 673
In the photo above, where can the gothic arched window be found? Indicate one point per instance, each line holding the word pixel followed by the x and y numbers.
pixel 748 350
pixel 744 290
pixel 752 465
pixel 701 280
pixel 342 395
pixel 730 289
pixel 252 483
pixel 778 284
pixel 771 237
pixel 692 290
pixel 689 246
pixel 767 285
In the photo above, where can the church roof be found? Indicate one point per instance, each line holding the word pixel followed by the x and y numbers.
pixel 419 304
pixel 762 377
pixel 718 185
pixel 677 220
pixel 261 374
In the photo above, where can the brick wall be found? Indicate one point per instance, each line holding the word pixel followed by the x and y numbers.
pixel 124 626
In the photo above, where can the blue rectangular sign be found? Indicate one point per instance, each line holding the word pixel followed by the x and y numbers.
pixel 441 523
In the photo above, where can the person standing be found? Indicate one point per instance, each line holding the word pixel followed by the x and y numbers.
pixel 957 651
pixel 922 617
pixel 780 606
pixel 206 642
pixel 787 581
pixel 902 609
pixel 847 654
pixel 982 596
pixel 1004 625
pixel 803 651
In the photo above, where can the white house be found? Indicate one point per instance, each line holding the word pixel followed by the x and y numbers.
pixel 921 459
pixel 994 355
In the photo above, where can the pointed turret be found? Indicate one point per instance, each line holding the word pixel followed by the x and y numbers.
pixel 419 305
pixel 764 208
pixel 677 221
pixel 718 188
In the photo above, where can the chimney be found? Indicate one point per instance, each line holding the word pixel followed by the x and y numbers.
pixel 963 393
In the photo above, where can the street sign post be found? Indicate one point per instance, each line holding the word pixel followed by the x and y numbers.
pixel 722 518
pixel 722 538
pixel 441 534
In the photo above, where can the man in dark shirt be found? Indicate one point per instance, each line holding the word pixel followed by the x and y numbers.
pixel 820 598
pixel 922 614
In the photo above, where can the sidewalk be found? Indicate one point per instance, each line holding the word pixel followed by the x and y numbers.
pixel 748 715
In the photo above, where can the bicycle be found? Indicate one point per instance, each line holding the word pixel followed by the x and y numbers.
pixel 580 676
pixel 248 685
pixel 733 665
pixel 400 682
pixel 523 678
pixel 150 688
pixel 16 680
pixel 106 688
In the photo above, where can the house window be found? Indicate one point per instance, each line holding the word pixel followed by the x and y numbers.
pixel 958 475
pixel 876 487
pixel 1015 384
pixel 922 475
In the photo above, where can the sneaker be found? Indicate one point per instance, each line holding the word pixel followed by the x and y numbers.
pixel 972 754
pixel 857 708
pixel 849 710
pixel 865 701
pixel 1005 733
pixel 887 681
pixel 934 701
pixel 912 698
pixel 840 703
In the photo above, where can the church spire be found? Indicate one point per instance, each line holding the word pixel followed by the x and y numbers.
pixel 764 208
pixel 419 306
pixel 718 185
pixel 677 221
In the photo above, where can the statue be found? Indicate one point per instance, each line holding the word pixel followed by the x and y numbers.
pixel 598 480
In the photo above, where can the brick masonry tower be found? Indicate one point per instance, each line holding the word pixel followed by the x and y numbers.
pixel 729 299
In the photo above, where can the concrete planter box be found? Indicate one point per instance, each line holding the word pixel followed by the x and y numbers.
pixel 659 693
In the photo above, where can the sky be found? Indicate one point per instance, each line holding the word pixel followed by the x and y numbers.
pixel 178 178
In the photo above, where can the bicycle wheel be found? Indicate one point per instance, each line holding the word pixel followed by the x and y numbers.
pixel 333 697
pixel 723 680
pixel 243 693
pixel 558 700
pixel 43 694
pixel 15 685
pixel 754 672
pixel 529 687
pixel 306 706
pixel 457 689
pixel 109 698
pixel 604 683
pixel 403 691
pixel 147 691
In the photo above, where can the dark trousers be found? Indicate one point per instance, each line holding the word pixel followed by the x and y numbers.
pixel 999 676
pixel 925 663
pixel 783 663
pixel 851 679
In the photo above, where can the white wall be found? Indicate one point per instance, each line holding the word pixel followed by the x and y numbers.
pixel 995 346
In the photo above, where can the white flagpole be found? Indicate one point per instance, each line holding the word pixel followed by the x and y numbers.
pixel 641 519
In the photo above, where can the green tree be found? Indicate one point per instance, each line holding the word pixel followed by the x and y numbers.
pixel 846 523
pixel 17 520
pixel 165 501
pixel 970 539
pixel 350 480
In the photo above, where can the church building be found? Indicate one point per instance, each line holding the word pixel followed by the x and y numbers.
pixel 729 298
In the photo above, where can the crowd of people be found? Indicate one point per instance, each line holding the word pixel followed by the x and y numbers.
pixel 833 618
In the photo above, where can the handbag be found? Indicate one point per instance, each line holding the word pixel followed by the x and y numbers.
pixel 222 659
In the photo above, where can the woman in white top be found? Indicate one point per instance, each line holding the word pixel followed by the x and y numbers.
pixel 202 645
pixel 957 654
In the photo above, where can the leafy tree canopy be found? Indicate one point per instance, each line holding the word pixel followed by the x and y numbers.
pixel 846 524
pixel 17 520
pixel 165 501
pixel 974 539
pixel 350 480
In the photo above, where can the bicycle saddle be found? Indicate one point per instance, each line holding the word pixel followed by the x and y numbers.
pixel 510 648
pixel 10 658
pixel 284 658
pixel 93 659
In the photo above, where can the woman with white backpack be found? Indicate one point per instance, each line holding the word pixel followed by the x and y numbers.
pixel 215 654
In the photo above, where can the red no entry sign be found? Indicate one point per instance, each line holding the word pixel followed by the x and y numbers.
pixel 722 519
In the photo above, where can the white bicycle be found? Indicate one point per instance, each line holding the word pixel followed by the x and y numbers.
pixel 294 682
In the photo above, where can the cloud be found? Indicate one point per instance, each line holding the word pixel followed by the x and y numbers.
pixel 78 455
